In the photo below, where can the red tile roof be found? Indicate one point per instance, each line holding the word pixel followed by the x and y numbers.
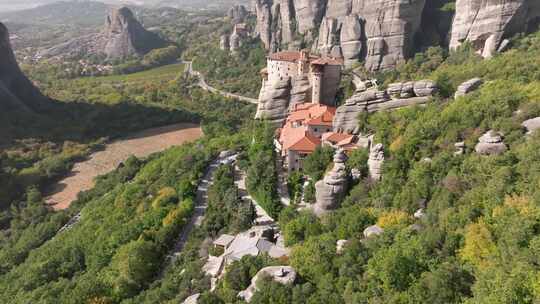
pixel 285 56
pixel 327 61
pixel 307 144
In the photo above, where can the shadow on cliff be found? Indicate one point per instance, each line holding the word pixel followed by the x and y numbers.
pixel 81 122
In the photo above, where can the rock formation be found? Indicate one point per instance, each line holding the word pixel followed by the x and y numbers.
pixel 369 99
pixel 460 148
pixel 373 231
pixel 468 86
pixel 16 91
pixel 531 125
pixel 193 299
pixel 238 14
pixel 380 32
pixel 376 161
pixel 125 36
pixel 274 101
pixel 486 23
pixel 281 274
pixel 329 191
pixel 122 36
pixel 340 245
pixel 491 143
pixel 224 44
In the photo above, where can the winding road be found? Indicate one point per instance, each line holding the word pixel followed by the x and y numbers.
pixel 205 86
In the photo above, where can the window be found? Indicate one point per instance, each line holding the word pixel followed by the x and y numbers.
pixel 316 130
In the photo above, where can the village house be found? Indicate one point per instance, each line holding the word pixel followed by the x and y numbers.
pixel 255 241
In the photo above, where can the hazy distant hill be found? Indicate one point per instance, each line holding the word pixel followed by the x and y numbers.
pixel 88 13
pixel 10 5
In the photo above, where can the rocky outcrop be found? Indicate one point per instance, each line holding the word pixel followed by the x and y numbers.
pixel 373 231
pixel 238 14
pixel 16 91
pixel 235 42
pixel 224 44
pixel 330 191
pixel 369 99
pixel 285 275
pixel 376 161
pixel 274 101
pixel 460 148
pixel 193 299
pixel 264 29
pixel 309 14
pixel 125 36
pixel 531 125
pixel 468 86
pixel 122 36
pixel 491 143
pixel 390 26
pixel 379 32
pixel 486 23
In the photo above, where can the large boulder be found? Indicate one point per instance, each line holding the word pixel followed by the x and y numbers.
pixel 491 143
pixel 486 23
pixel 330 191
pixel 531 125
pixel 468 86
pixel 285 275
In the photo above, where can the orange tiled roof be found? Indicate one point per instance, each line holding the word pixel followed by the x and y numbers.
pixel 308 143
pixel 285 56
pixel 327 61
pixel 325 119
pixel 334 137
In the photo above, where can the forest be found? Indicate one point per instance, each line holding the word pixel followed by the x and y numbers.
pixel 479 241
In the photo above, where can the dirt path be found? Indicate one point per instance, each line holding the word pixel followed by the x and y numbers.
pixel 142 144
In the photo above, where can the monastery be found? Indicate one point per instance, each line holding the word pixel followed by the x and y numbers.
pixel 308 124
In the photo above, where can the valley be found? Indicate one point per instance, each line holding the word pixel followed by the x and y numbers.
pixel 270 152
pixel 82 175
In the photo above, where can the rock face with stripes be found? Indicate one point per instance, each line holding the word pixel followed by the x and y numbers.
pixel 487 23
pixel 368 99
pixel 378 32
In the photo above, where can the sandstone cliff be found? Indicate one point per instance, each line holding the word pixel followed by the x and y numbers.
pixel 16 91
pixel 379 32
pixel 486 23
pixel 122 36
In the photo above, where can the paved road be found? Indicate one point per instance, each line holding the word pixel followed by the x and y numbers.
pixel 240 181
pixel 205 86
pixel 201 203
